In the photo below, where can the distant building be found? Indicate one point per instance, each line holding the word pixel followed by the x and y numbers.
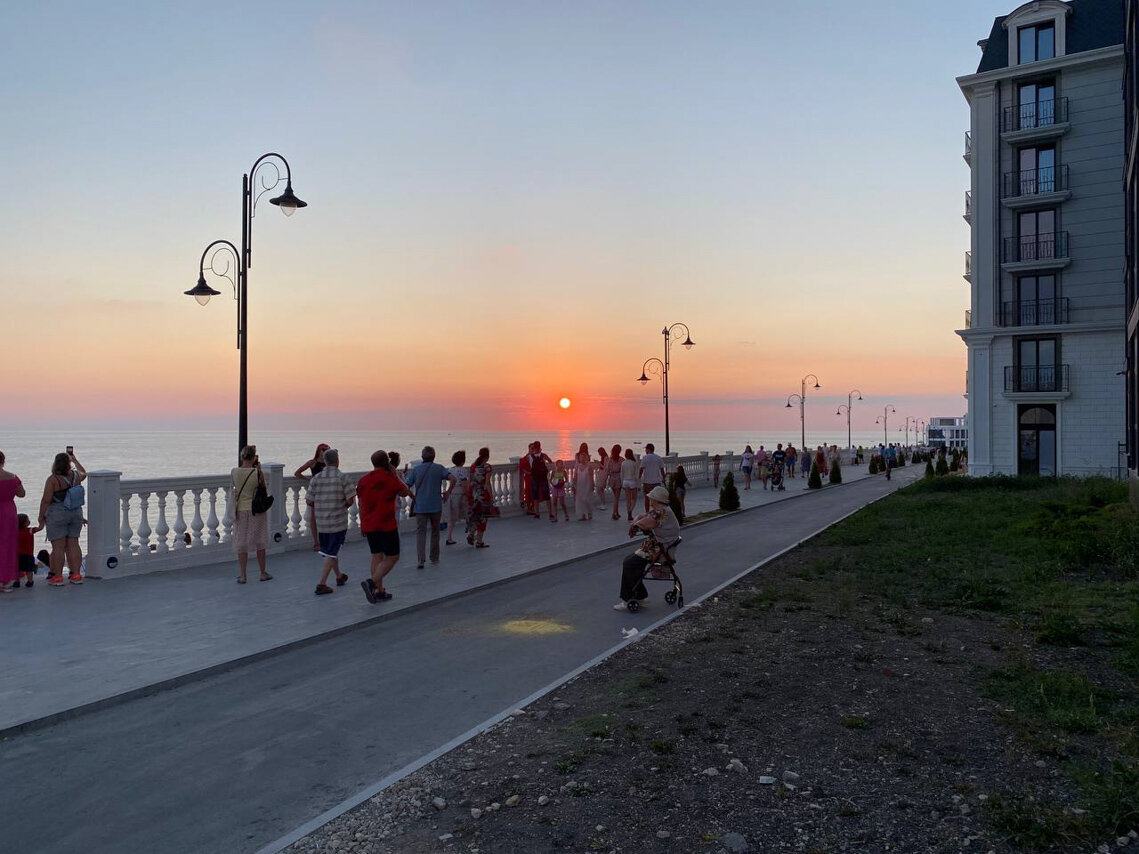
pixel 948 432
pixel 1131 193
pixel 1045 332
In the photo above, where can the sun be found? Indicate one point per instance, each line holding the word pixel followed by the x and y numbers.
pixel 564 403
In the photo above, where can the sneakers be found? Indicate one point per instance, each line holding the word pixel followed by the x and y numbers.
pixel 621 606
pixel 75 579
pixel 323 590
pixel 55 581
pixel 369 590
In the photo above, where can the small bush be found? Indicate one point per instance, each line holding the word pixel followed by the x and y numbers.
pixel 928 470
pixel 942 467
pixel 814 481
pixel 873 465
pixel 729 495
pixel 836 472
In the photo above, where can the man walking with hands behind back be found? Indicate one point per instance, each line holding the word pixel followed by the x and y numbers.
pixel 330 494
pixel 426 481
pixel 652 472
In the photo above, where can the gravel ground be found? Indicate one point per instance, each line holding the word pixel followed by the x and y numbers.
pixel 784 715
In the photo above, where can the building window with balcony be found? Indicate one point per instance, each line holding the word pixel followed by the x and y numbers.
pixel 1032 301
pixel 1036 105
pixel 1036 236
pixel 1037 42
pixel 1037 170
pixel 1037 365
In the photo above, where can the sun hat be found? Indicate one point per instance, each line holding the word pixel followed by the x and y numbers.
pixel 660 494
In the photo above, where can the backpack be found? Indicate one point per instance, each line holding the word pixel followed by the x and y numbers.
pixel 74 498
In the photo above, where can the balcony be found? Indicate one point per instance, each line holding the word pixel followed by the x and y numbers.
pixel 968 266
pixel 1035 120
pixel 1031 187
pixel 1035 379
pixel 969 206
pixel 968 319
pixel 968 155
pixel 1044 312
pixel 1047 251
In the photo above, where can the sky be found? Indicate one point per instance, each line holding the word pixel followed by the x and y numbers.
pixel 508 201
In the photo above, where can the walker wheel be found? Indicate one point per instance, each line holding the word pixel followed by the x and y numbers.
pixel 633 605
pixel 670 596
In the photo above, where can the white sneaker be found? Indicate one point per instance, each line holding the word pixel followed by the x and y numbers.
pixel 621 606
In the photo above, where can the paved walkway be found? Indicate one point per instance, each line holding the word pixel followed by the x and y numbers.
pixel 108 640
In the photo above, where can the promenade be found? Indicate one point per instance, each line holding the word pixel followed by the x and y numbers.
pixel 108 641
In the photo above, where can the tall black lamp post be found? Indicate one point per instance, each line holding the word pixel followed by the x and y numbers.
pixel 849 405
pixel 254 184
pixel 920 429
pixel 656 366
pixel 802 398
pixel 882 419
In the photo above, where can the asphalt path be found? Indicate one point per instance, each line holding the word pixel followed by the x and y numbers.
pixel 234 761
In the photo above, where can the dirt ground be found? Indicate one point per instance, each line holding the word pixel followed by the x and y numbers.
pixel 787 714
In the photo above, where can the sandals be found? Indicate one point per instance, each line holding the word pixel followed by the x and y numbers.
pixel 265 577
pixel 342 579
pixel 242 580
pixel 449 543
pixel 481 546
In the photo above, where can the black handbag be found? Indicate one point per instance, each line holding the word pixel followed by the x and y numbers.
pixel 262 500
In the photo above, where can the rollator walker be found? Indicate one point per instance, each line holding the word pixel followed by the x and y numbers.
pixel 661 567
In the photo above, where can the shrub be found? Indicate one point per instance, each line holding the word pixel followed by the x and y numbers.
pixel 942 467
pixel 873 466
pixel 729 495
pixel 928 469
pixel 836 472
pixel 814 481
pixel 900 460
pixel 955 463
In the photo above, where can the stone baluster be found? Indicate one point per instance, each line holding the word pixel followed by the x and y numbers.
pixel 514 477
pixel 144 529
pixel 126 532
pixel 354 518
pixel 295 515
pixel 705 468
pixel 197 524
pixel 162 530
pixel 230 516
pixel 180 527
pixel 212 520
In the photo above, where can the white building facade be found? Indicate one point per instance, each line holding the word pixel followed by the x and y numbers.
pixel 1045 331
pixel 952 432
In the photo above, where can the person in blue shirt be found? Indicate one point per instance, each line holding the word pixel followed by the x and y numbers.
pixel 426 482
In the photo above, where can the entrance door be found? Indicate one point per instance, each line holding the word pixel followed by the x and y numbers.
pixel 1036 428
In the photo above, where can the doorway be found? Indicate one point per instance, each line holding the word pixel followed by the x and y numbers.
pixel 1036 431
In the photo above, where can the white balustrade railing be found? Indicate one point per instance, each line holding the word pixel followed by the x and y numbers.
pixel 137 526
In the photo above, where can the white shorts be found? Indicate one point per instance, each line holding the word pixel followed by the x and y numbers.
pixel 629 484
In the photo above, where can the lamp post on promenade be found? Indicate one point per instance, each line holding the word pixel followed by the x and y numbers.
pixel 907 429
pixel 883 419
pixel 802 397
pixel 656 366
pixel 251 192
pixel 847 407
pixel 920 429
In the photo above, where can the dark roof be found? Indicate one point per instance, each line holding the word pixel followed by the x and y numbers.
pixel 1092 24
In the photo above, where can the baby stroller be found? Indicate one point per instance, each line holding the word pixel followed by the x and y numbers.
pixel 661 567
pixel 777 477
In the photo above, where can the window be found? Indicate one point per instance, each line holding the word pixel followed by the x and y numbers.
pixel 1037 42
pixel 1033 302
pixel 1036 233
pixel 1037 170
pixel 1037 104
pixel 1036 364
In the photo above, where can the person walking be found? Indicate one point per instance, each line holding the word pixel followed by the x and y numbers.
pixel 313 467
pixel 601 476
pixel 482 500
pixel 330 494
pixel 680 487
pixel 426 481
pixel 525 481
pixel 747 459
pixel 613 479
pixel 61 512
pixel 11 488
pixel 665 528
pixel 651 473
pixel 459 500
pixel 715 472
pixel 540 465
pixel 559 477
pixel 792 458
pixel 250 530
pixel 630 480
pixel 583 484
pixel 377 492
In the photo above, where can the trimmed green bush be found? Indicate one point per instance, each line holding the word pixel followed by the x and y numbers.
pixel 814 481
pixel 836 472
pixel 729 495
pixel 873 466
pixel 942 466
pixel 928 469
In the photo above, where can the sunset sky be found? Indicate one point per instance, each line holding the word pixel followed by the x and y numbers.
pixel 507 202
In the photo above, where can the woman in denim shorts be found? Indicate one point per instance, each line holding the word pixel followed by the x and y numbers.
pixel 64 523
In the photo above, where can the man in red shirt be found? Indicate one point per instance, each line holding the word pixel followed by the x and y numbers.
pixel 377 491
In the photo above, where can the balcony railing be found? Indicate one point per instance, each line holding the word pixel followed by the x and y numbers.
pixel 1043 312
pixel 1036 247
pixel 968 144
pixel 968 265
pixel 1030 378
pixel 1035 114
pixel 1034 182
pixel 968 204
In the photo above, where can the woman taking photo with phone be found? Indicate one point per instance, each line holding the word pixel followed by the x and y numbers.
pixel 61 512
pixel 250 530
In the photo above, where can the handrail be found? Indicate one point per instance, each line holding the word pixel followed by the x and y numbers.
pixel 1034 114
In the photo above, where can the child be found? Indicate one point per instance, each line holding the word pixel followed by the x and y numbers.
pixel 558 478
pixel 26 548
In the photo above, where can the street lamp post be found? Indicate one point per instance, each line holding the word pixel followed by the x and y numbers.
pixel 802 397
pixel 848 406
pixel 239 276
pixel 907 429
pixel 919 430
pixel 883 419
pixel 656 366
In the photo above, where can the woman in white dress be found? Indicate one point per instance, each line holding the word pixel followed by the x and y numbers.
pixel 459 501
pixel 601 476
pixel 583 484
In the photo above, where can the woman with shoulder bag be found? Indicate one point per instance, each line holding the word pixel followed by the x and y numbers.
pixel 61 512
pixel 250 530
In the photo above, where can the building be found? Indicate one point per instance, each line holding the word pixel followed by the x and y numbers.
pixel 1045 332
pixel 1131 205
pixel 948 432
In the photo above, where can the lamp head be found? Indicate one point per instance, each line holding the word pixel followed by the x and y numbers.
pixel 788 404
pixel 860 397
pixel 688 343
pixel 817 384
pixel 287 201
pixel 201 291
pixel 643 379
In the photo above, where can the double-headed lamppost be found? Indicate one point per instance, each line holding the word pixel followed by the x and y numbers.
pixel 847 407
pixel 882 419
pixel 802 396
pixel 288 203
pixel 656 366
pixel 919 430
pixel 907 428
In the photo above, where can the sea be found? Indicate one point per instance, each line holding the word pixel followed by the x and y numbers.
pixel 150 454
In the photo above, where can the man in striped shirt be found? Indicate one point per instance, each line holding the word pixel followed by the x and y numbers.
pixel 330 494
